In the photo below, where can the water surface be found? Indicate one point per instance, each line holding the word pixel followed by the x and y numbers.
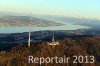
pixel 11 29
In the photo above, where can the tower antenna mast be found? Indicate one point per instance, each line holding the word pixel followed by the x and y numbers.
pixel 29 34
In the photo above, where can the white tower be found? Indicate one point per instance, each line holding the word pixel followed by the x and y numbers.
pixel 53 41
pixel 53 38
pixel 29 35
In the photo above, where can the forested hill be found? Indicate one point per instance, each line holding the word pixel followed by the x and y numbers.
pixel 25 20
pixel 85 46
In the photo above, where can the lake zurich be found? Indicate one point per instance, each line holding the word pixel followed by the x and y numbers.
pixel 11 29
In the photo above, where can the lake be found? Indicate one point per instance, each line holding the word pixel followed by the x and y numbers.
pixel 11 29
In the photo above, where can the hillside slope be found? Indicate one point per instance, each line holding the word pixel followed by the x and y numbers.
pixel 25 20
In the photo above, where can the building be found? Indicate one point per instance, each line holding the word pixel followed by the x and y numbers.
pixel 53 42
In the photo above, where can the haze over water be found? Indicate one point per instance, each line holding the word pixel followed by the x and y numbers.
pixel 26 29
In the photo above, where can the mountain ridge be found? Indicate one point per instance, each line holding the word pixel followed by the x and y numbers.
pixel 25 20
pixel 89 22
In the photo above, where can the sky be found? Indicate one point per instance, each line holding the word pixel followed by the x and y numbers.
pixel 73 8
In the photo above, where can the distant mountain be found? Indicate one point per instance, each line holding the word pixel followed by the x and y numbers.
pixel 25 20
pixel 94 23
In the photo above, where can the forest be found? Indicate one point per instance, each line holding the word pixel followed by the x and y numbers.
pixel 69 46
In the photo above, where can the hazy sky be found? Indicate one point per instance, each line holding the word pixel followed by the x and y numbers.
pixel 86 8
